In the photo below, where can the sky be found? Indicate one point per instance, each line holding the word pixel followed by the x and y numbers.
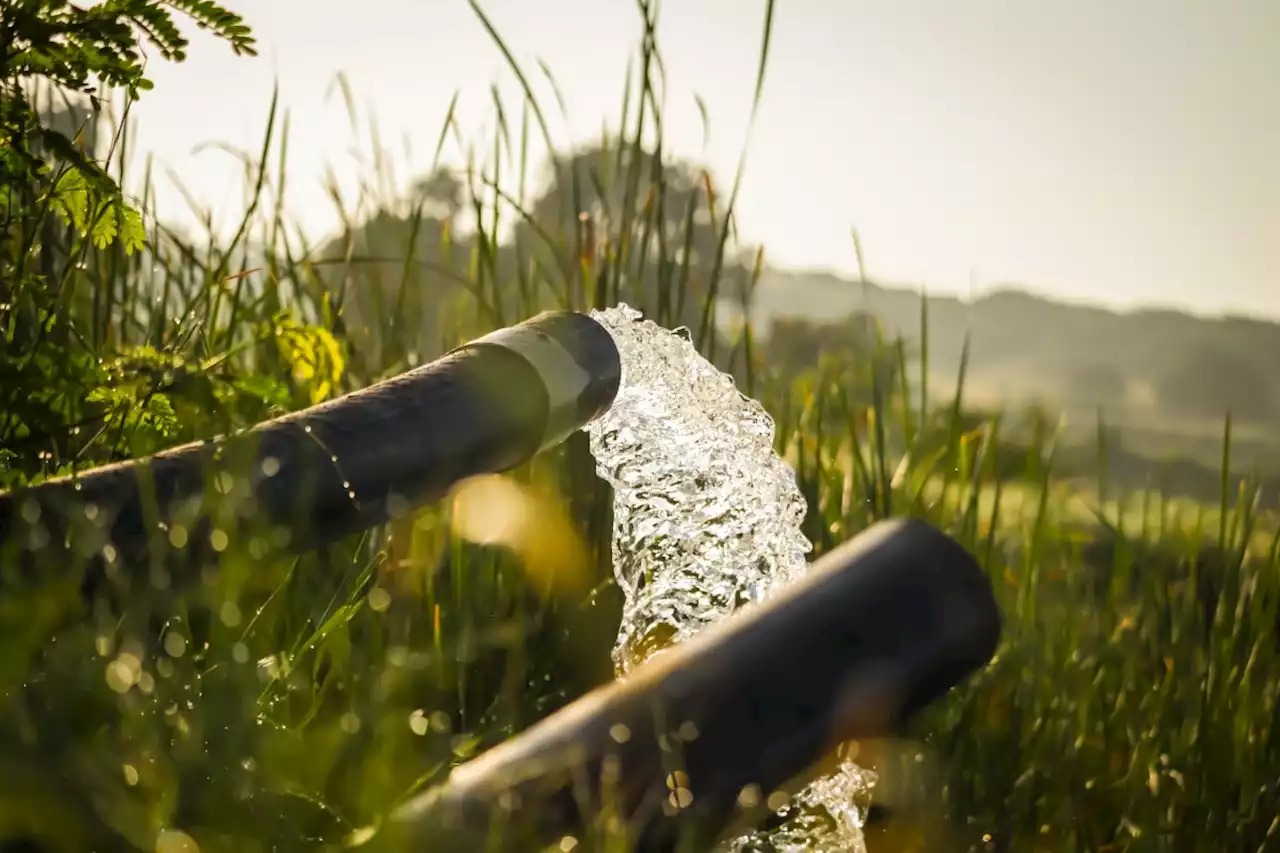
pixel 1118 152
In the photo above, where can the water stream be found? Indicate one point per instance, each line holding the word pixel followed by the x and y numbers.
pixel 706 520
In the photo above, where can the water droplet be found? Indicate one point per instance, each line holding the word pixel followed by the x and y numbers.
pixel 379 599
pixel 122 673
pixel 175 645
pixel 230 614
pixel 175 841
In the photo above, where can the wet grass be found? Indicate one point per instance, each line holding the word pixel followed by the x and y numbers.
pixel 282 704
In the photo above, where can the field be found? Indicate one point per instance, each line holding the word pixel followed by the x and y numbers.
pixel 263 704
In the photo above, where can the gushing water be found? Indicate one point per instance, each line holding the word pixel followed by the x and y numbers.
pixel 706 520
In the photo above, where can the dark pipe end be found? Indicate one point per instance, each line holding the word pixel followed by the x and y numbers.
pixel 577 360
pixel 875 630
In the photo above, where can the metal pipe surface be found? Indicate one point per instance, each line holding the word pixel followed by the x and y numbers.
pixel 315 475
pixel 695 740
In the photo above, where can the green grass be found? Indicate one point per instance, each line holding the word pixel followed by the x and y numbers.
pixel 280 705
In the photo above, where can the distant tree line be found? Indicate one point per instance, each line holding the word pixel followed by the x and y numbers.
pixel 608 223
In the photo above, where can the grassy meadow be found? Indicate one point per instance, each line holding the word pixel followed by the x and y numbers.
pixel 268 704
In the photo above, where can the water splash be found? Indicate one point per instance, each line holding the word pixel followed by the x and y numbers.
pixel 706 516
pixel 706 520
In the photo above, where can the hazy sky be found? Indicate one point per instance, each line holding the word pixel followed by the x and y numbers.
pixel 1118 150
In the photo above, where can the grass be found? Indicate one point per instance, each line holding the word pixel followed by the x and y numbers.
pixel 283 704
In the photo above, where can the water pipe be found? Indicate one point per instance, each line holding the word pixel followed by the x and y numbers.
pixel 322 473
pixel 702 740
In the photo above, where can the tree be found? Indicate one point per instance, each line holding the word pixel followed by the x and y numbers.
pixel 657 220
pixel 440 194
pixel 1097 384
pixel 643 226
pixel 412 264
pixel 853 348
pixel 614 186
pixel 1205 381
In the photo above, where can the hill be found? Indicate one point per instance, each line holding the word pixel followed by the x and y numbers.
pixel 1162 379
pixel 1152 365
